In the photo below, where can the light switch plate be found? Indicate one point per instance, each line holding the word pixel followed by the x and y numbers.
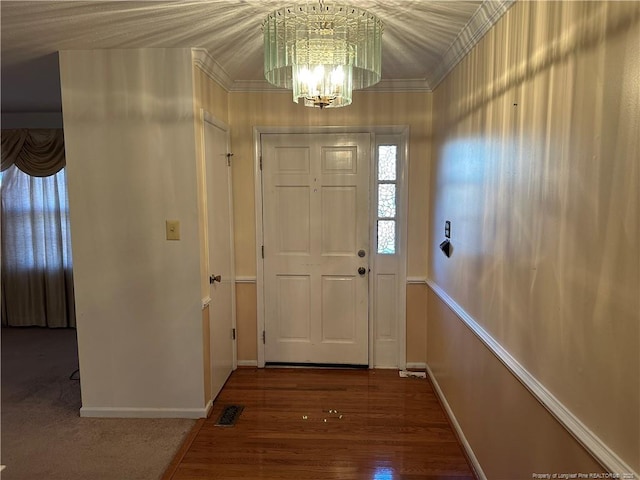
pixel 173 229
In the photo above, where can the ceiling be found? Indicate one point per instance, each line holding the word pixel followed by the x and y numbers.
pixel 422 39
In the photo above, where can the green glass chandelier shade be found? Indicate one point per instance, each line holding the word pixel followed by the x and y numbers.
pixel 322 52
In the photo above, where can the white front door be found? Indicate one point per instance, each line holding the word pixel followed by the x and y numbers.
pixel 220 251
pixel 316 247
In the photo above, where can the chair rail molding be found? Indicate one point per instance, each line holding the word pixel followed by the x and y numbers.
pixel 588 439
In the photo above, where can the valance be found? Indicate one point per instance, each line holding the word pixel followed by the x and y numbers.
pixel 38 152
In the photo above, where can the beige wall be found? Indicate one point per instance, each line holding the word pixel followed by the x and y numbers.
pixel 247 322
pixel 248 110
pixel 210 95
pixel 416 324
pixel 536 166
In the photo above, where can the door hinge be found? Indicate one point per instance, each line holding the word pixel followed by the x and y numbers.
pixel 260 162
pixel 229 155
pixel 233 333
pixel 264 337
pixel 262 251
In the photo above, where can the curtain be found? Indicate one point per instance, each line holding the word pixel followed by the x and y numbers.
pixel 37 278
pixel 39 153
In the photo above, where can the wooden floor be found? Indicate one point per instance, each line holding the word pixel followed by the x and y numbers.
pixel 324 424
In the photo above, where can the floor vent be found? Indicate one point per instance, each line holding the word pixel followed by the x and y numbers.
pixel 229 416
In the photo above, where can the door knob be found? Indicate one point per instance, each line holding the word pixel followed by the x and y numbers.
pixel 362 270
pixel 215 278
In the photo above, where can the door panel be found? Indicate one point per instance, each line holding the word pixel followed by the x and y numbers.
pixel 293 316
pixel 339 314
pixel 220 251
pixel 315 220
pixel 293 220
pixel 339 220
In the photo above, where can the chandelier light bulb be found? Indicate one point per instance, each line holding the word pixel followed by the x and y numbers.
pixel 322 52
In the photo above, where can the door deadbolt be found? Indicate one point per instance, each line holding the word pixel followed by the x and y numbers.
pixel 361 253
pixel 362 270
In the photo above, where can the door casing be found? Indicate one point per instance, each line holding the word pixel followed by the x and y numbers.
pixel 403 133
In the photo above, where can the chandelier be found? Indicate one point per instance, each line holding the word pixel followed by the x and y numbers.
pixel 322 52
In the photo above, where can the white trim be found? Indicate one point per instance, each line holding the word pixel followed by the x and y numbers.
pixel 403 244
pixel 246 279
pixel 416 366
pixel 203 60
pixel 257 185
pixel 206 301
pixel 372 264
pixel 247 363
pixel 487 14
pixel 588 439
pixel 416 280
pixel 123 412
pixel 475 464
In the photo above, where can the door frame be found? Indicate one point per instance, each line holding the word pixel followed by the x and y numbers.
pixel 403 132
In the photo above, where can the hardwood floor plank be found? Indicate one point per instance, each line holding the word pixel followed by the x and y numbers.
pixel 326 424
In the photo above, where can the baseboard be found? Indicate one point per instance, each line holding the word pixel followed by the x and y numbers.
pixel 247 363
pixel 416 366
pixel 118 412
pixel 589 440
pixel 475 464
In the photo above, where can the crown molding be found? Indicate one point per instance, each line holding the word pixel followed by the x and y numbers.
pixel 480 23
pixel 485 17
pixel 203 59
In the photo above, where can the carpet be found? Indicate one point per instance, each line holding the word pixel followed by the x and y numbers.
pixel 42 435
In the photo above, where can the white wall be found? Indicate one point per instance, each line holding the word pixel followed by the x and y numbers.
pixel 130 144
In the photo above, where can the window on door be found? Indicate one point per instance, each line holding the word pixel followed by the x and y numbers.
pixel 387 174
